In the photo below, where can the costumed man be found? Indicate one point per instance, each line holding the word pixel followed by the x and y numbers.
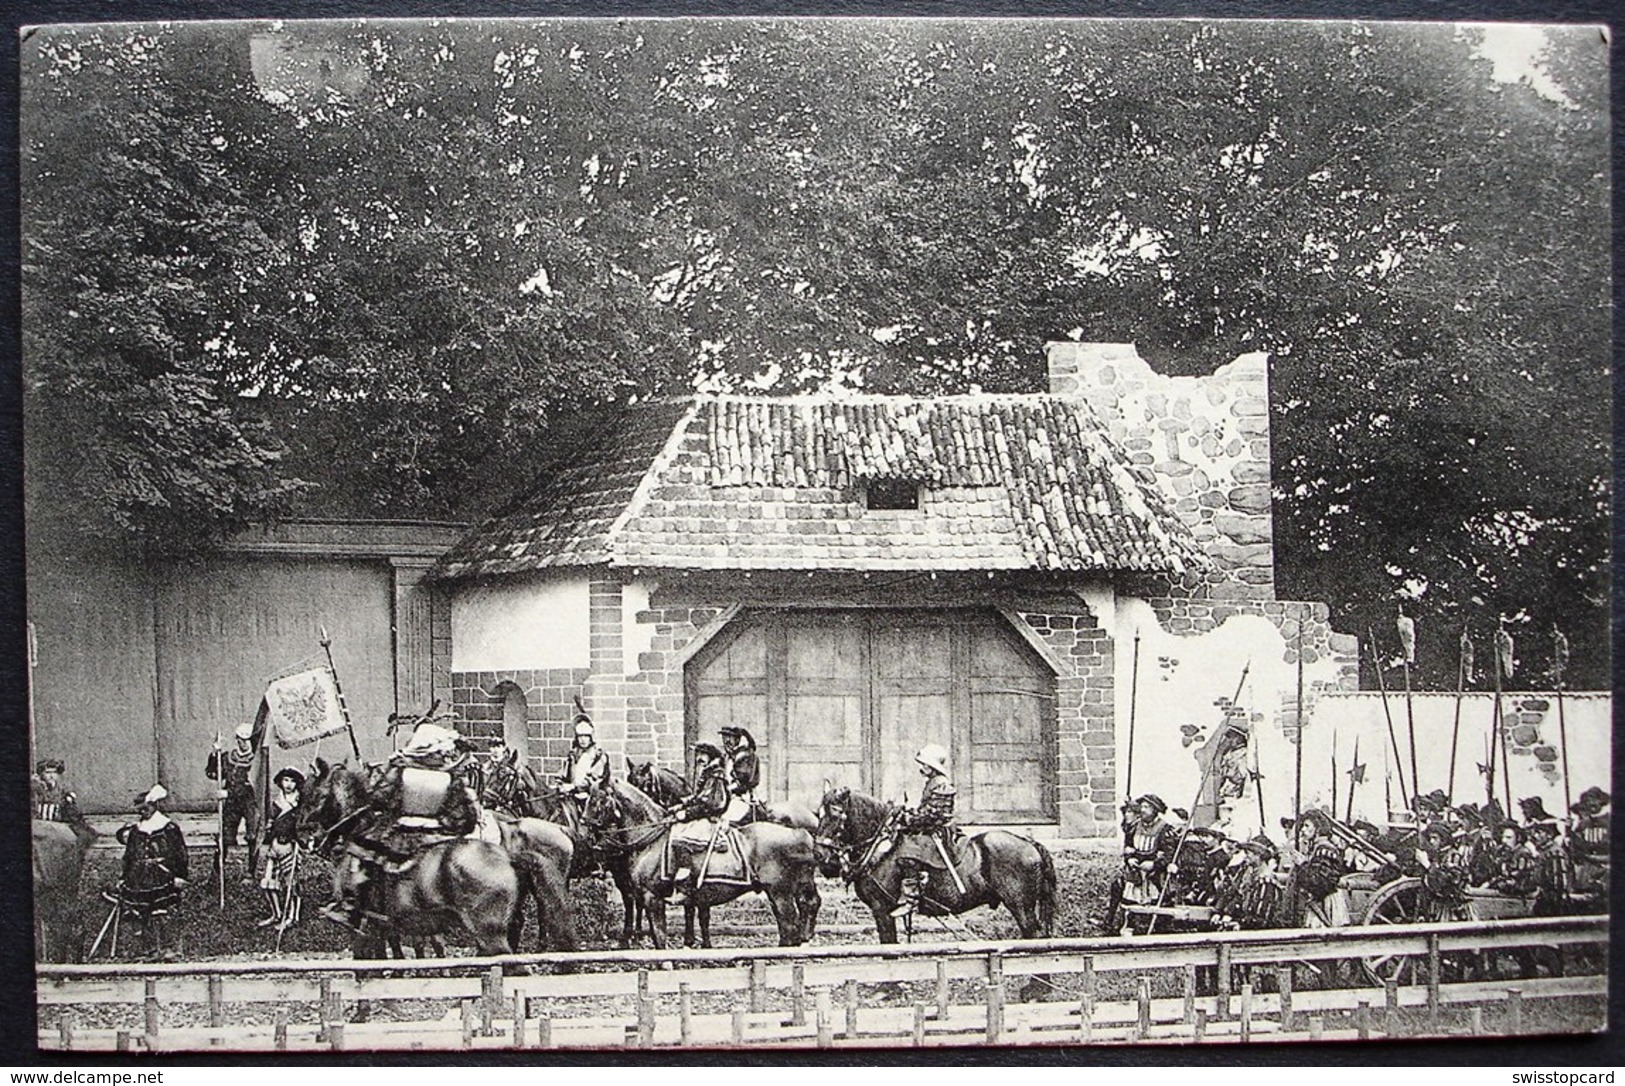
pixel 155 867
pixel 1248 892
pixel 51 801
pixel 428 794
pixel 280 879
pixel 1589 843
pixel 694 816
pixel 585 772
pixel 921 844
pixel 1146 856
pixel 1515 872
pixel 1317 866
pixel 744 773
pixel 234 770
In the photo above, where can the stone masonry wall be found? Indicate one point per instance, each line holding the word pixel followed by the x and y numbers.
pixel 1206 438
pixel 477 698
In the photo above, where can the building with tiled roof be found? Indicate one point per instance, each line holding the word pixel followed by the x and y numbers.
pixel 850 578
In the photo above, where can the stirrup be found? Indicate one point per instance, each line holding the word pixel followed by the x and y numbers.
pixel 902 909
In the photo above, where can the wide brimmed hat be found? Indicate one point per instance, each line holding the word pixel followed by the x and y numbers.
pixel 706 750
pixel 289 774
pixel 1592 800
pixel 732 732
pixel 1261 846
pixel 1534 810
pixel 1435 800
pixel 1156 802
pixel 1469 815
pixel 933 756
pixel 51 765
pixel 156 794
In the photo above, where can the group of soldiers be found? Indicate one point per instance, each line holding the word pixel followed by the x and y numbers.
pixel 1456 851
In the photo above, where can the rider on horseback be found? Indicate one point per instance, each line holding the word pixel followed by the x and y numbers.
pixel 744 774
pixel 921 846
pixel 587 769
pixel 693 815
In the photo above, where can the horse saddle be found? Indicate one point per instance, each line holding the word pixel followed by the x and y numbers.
pixel 726 861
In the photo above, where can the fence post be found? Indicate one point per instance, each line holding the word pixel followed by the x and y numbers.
pixel 1316 1026
pixel 1390 1006
pixel 1088 980
pixel 324 1008
pixel 1362 1019
pixel 468 1023
pixel 942 989
pixel 64 1030
pixel 1142 1025
pixel 1086 1019
pixel 335 1037
pixel 1515 1010
pixel 1187 1014
pixel 518 1019
pixel 152 1013
pixel 217 1003
pixel 279 1032
pixel 492 1001
pixel 851 1008
pixel 919 1025
pixel 646 1022
pixel 1433 982
pixel 995 996
pixel 1246 1012
pixel 798 994
pixel 544 1031
pixel 1283 986
pixel 122 1042
pixel 1221 984
pixel 685 1013
pixel 1201 1024
pixel 1475 1022
pixel 736 1025
pixel 821 1009
pixel 758 986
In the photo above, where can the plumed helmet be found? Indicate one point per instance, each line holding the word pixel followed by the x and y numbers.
pixel 51 765
pixel 584 726
pixel 244 731
pixel 933 756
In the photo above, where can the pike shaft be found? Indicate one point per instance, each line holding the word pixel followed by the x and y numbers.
pixel 1133 700
pixel 1387 715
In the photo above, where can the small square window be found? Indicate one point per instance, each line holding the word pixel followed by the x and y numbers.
pixel 892 494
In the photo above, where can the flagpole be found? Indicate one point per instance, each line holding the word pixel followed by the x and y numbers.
pixel 327 647
pixel 1334 776
pixel 1258 779
pixel 1455 724
pixel 1410 730
pixel 1382 685
pixel 1133 700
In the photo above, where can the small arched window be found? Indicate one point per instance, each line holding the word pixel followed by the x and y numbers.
pixel 515 716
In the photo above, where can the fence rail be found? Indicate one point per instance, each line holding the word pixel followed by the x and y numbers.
pixel 1069 990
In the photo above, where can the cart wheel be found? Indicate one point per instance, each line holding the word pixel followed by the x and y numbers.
pixel 1399 902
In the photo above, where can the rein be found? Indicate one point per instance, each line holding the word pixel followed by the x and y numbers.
pixel 325 841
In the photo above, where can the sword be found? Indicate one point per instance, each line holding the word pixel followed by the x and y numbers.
pixel 705 864
pixel 942 850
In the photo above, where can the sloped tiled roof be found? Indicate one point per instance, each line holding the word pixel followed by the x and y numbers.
pixel 1010 482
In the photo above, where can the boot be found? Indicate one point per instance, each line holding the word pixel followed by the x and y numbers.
pixel 908 895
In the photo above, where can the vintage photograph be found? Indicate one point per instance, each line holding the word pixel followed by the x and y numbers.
pixel 750 534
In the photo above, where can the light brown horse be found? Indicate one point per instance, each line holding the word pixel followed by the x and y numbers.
pixel 59 860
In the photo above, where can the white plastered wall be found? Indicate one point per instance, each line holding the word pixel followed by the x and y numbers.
pixel 521 623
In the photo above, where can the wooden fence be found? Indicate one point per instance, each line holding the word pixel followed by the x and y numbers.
pixel 1068 991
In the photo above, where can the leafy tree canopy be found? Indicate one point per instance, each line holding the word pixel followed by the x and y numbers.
pixel 372 267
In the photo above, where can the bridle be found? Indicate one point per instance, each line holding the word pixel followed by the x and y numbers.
pixel 602 833
pixel 855 855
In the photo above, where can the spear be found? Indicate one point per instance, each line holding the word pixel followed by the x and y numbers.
pixel 1258 781
pixel 1133 700
pixel 1503 658
pixel 1407 642
pixel 327 647
pixel 1334 778
pixel 1297 785
pixel 1464 675
pixel 1560 660
pixel 1382 685
pixel 1356 777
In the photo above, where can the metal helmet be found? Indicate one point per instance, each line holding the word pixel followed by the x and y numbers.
pixel 244 731
pixel 583 726
pixel 933 756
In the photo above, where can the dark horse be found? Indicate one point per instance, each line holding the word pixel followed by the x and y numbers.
pixel 667 786
pixel 510 785
pixel 781 860
pixel 462 884
pixel 59 859
pixel 997 867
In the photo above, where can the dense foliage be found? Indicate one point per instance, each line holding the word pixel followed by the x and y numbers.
pixel 388 259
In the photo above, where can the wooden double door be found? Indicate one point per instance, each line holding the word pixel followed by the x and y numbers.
pixel 849 696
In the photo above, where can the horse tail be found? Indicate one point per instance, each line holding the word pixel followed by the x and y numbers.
pixel 1046 891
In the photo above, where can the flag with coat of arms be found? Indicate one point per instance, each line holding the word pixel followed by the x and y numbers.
pixel 303 707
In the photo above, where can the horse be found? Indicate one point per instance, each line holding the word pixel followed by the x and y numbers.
pixel 996 867
pixel 781 861
pixel 512 786
pixel 463 883
pixel 59 860
pixel 667 786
